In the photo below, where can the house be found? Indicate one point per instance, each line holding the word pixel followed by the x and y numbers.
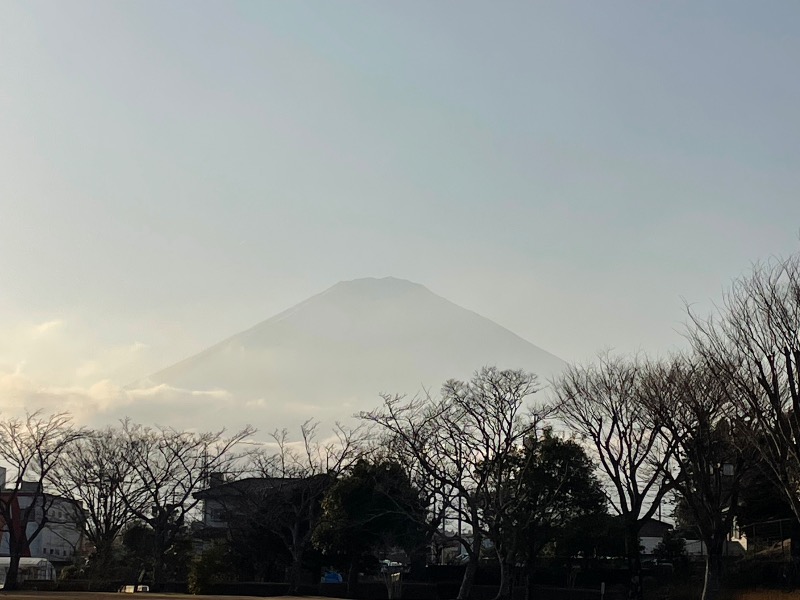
pixel 733 547
pixel 227 503
pixel 651 534
pixel 62 533
pixel 270 518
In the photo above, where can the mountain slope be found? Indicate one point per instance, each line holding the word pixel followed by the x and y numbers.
pixel 335 352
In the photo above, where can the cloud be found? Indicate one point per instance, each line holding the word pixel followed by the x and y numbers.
pixel 56 366
pixel 64 352
pixel 104 402
pixel 47 326
pixel 20 393
pixel 137 347
pixel 53 367
pixel 89 368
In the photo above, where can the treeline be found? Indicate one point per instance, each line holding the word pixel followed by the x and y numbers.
pixel 709 424
pixel 702 425
pixel 503 464
pixel 475 466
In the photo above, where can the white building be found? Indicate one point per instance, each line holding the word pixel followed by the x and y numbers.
pixel 30 569
pixel 62 533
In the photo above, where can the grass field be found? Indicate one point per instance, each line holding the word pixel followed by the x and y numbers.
pixel 677 593
pixel 763 595
pixel 30 595
pixel 693 593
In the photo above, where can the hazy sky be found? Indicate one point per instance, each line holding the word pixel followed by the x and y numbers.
pixel 172 173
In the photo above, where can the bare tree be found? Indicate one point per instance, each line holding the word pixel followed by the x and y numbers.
pixel 167 467
pixel 693 407
pixel 387 447
pixel 463 440
pixel 32 448
pixel 550 485
pixel 298 475
pixel 97 473
pixel 603 403
pixel 752 342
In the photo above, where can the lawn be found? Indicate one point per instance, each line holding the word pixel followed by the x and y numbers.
pixel 31 595
pixel 693 592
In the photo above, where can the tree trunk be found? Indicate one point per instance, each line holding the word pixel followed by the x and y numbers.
pixel 295 570
pixel 504 591
pixel 352 578
pixel 103 553
pixel 469 578
pixel 713 576
pixel 530 568
pixel 530 594
pixel 418 561
pixel 12 575
pixel 159 545
pixel 635 591
pixel 472 564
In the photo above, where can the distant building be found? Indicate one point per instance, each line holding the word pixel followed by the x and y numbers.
pixel 264 516
pixel 225 503
pixel 778 538
pixel 651 534
pixel 653 531
pixel 733 547
pixel 63 530
pixel 30 569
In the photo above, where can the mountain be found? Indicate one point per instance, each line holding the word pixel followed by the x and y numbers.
pixel 334 353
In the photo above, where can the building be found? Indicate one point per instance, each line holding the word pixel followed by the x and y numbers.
pixel 269 520
pixel 30 569
pixel 651 534
pixel 62 533
pixel 733 547
pixel 228 503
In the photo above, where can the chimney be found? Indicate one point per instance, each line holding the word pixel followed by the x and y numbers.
pixel 2 478
pixel 215 479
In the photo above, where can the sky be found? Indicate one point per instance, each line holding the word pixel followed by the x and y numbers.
pixel 173 173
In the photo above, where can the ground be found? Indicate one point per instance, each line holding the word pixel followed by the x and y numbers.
pixel 28 595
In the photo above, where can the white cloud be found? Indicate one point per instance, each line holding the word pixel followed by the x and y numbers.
pixel 20 394
pixel 57 365
pixel 138 347
pixel 89 368
pixel 105 403
pixel 47 326
pixel 64 353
